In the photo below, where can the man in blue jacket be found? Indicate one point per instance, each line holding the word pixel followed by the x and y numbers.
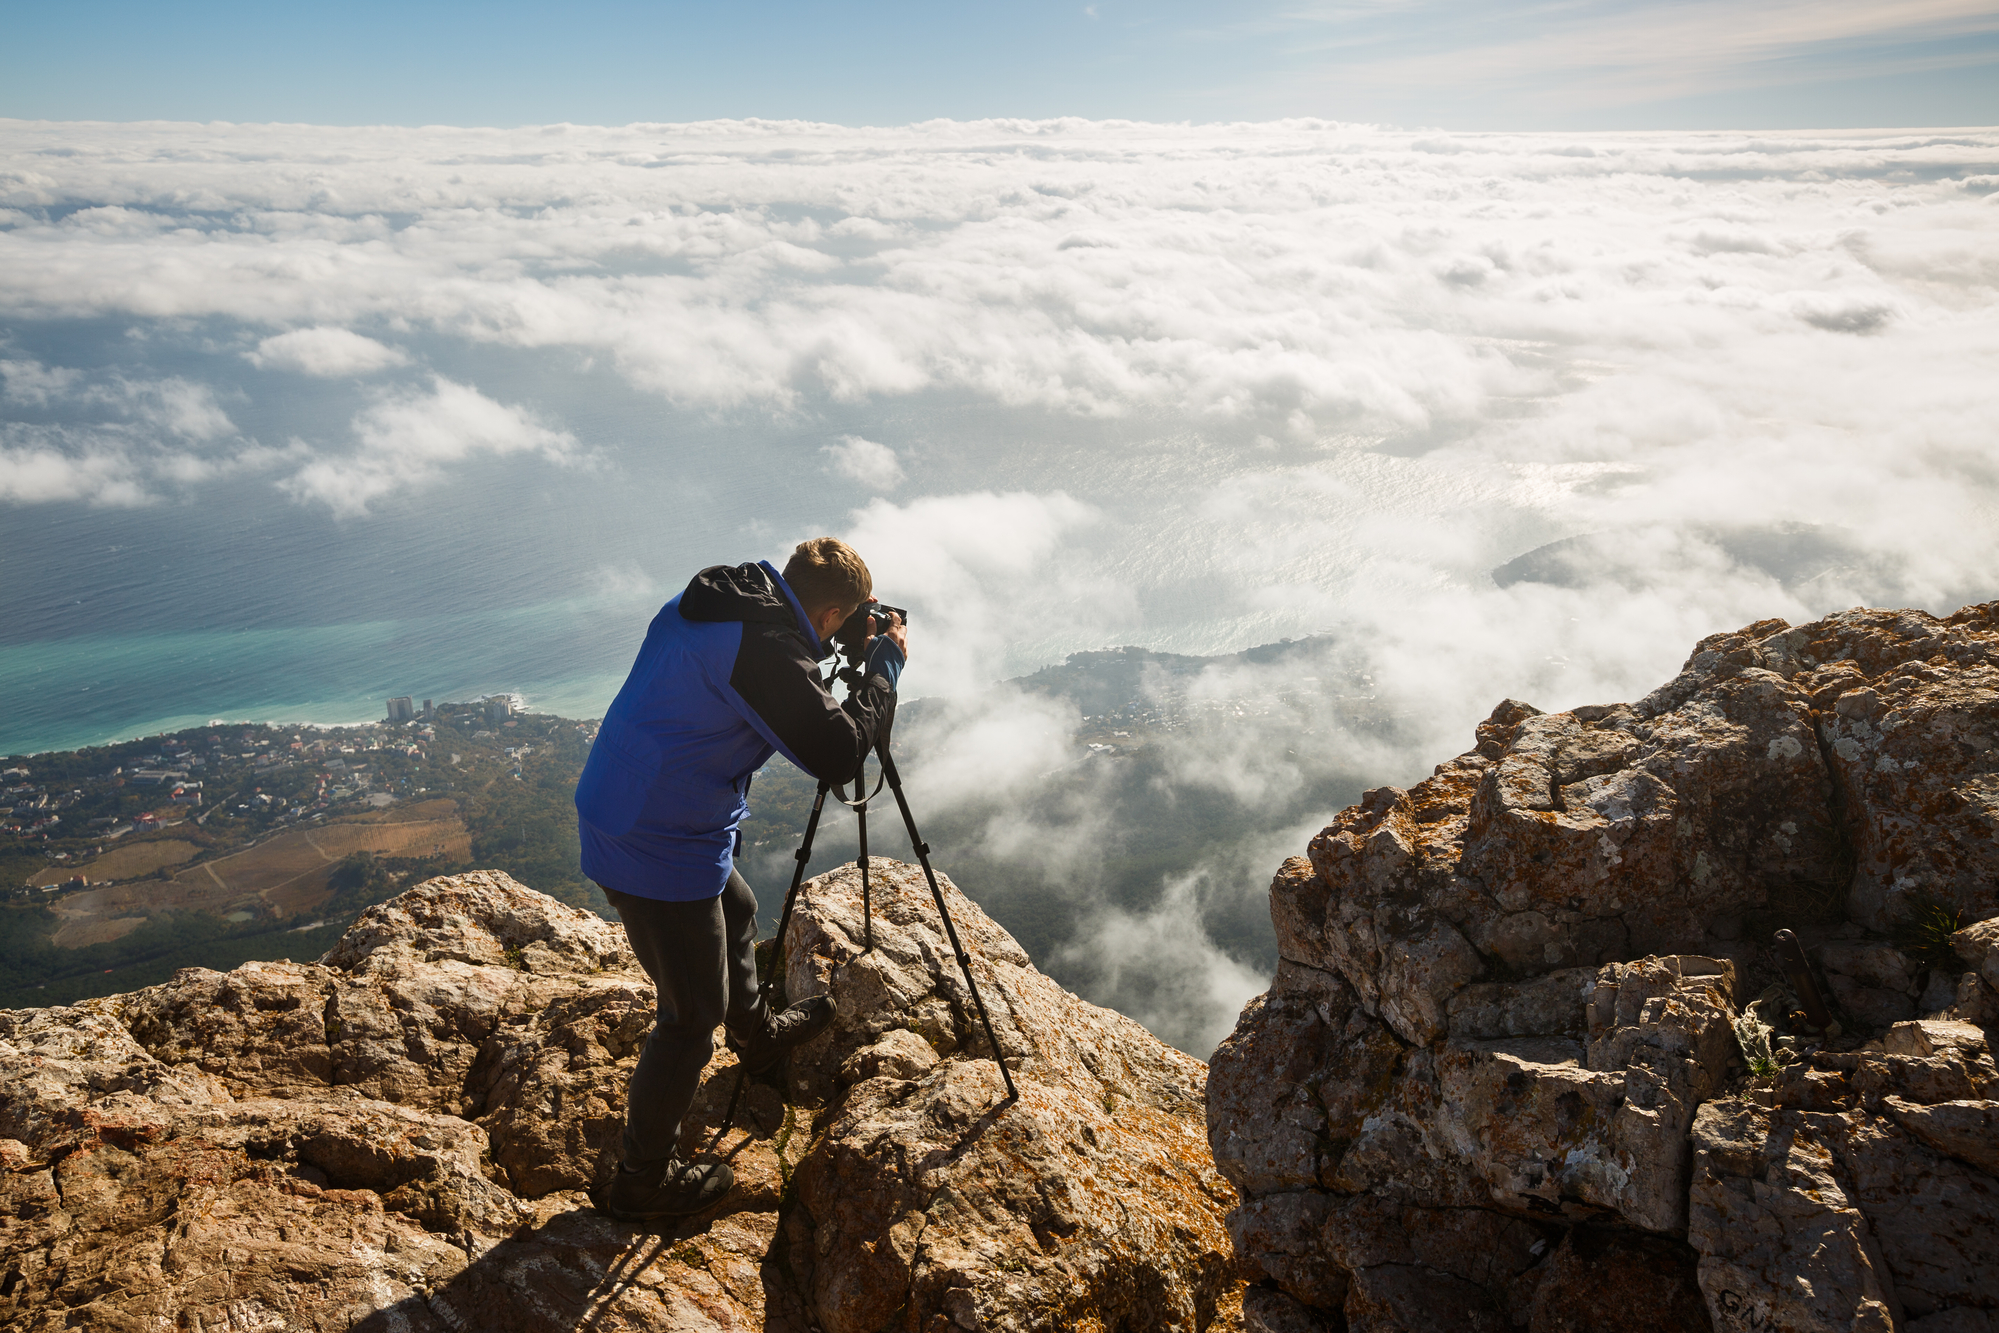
pixel 728 676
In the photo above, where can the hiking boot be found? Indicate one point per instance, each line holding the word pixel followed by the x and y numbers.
pixel 781 1031
pixel 672 1189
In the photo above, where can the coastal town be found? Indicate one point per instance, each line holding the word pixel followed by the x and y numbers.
pixel 229 841
pixel 63 814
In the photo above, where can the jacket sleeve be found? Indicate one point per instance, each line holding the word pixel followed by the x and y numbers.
pixel 777 678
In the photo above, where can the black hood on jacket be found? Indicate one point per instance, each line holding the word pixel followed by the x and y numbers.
pixel 737 592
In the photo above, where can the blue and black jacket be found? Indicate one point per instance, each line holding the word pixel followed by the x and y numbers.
pixel 728 675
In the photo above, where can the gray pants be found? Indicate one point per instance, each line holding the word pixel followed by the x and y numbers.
pixel 701 957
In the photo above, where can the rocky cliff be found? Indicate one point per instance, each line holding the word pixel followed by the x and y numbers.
pixel 398 1137
pixel 1530 1061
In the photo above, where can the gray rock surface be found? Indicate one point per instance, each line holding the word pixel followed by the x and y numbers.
pixel 1501 1036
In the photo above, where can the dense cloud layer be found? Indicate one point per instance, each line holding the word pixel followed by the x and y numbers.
pixel 1190 387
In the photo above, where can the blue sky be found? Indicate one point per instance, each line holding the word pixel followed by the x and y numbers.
pixel 1557 64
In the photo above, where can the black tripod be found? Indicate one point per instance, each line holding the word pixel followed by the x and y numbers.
pixel 851 646
pixel 893 779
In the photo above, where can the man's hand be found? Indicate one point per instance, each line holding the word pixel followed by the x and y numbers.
pixel 894 631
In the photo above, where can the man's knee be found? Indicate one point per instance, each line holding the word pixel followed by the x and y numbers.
pixel 694 1014
pixel 739 900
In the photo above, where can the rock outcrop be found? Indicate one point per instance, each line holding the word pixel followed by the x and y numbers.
pixel 398 1137
pixel 1497 1081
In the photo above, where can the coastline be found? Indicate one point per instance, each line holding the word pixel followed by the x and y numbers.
pixel 584 702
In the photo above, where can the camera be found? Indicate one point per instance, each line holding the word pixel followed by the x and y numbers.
pixel 853 632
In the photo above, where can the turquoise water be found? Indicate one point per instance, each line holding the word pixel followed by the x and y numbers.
pixel 232 600
pixel 120 623
pixel 87 690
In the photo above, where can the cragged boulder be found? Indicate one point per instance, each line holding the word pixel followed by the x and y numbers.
pixel 932 1201
pixel 400 1136
pixel 1595 1128
pixel 1505 1000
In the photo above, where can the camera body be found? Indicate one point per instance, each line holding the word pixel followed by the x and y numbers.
pixel 853 632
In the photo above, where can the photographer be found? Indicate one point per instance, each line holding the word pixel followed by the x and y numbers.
pixel 727 676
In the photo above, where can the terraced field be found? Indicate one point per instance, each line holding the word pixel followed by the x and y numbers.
pixel 127 862
pixel 280 877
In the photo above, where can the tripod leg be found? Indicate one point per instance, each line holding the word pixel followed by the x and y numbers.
pixel 860 814
pixel 803 854
pixel 922 850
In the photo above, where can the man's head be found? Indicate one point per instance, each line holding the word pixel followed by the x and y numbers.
pixel 831 581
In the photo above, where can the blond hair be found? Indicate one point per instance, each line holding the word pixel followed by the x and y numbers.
pixel 827 572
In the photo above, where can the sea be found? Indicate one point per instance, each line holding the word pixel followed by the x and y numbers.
pixel 242 603
pixel 237 601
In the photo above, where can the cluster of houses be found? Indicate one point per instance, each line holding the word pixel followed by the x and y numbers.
pixel 33 808
pixel 204 775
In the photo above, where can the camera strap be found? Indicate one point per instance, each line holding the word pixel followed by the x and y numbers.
pixel 840 791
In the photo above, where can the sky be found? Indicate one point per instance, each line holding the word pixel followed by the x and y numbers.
pixel 1455 64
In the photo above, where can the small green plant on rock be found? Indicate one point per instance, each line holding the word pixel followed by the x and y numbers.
pixel 1752 1034
pixel 1925 935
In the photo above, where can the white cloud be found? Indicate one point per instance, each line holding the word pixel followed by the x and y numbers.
pixel 981 570
pixel 1218 383
pixel 1160 967
pixel 172 406
pixel 988 747
pixel 328 353
pixel 405 440
pixel 116 465
pixel 34 384
pixel 871 464
pixel 126 441
pixel 1299 281
pixel 34 472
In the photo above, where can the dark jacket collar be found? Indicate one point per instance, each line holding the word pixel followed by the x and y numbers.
pixel 752 593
